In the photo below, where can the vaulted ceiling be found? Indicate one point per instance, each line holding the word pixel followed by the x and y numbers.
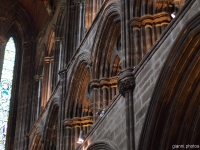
pixel 35 8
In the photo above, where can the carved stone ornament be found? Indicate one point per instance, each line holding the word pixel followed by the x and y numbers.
pixel 126 81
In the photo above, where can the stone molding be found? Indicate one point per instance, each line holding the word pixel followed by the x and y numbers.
pixel 78 121
pixel 150 19
pixel 126 81
pixel 48 59
pixel 103 82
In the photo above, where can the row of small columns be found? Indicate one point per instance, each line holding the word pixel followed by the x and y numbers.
pixel 73 127
pixel 101 92
pixel 145 31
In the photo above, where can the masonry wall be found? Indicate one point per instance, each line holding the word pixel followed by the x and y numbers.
pixel 148 71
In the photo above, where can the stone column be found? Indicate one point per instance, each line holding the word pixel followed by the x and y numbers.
pixel 79 21
pixel 26 80
pixel 46 87
pixel 145 31
pixel 126 83
pixel 94 93
pixel 67 136
pixel 57 59
pixel 77 128
pixel 104 82
pixel 34 107
pixel 148 36
pixel 113 86
pixel 136 46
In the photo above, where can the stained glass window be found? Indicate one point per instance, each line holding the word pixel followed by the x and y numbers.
pixel 5 89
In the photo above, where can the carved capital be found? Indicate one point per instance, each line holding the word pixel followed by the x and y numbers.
pixel 93 84
pixel 3 40
pixel 78 122
pixel 126 81
pixel 104 81
pixel 159 18
pixel 48 59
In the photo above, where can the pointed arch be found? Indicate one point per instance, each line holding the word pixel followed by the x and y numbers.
pixel 51 125
pixel 79 80
pixel 19 25
pixel 105 39
pixel 173 116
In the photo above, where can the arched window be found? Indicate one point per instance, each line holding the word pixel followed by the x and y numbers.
pixel 5 88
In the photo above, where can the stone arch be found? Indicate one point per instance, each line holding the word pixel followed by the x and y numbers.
pixel 101 52
pixel 173 115
pixel 101 145
pixel 77 111
pixel 51 125
pixel 80 74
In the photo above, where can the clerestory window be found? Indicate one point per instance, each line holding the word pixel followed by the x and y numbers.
pixel 5 88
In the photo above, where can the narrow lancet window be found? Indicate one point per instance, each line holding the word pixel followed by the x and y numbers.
pixel 5 88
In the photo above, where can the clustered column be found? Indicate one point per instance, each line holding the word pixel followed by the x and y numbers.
pixel 145 31
pixel 73 127
pixel 108 88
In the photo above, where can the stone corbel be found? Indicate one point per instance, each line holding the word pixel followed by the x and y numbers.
pixel 126 81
